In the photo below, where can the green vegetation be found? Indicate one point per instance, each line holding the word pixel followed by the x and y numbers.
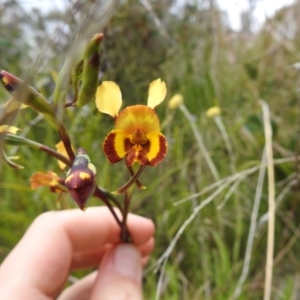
pixel 203 218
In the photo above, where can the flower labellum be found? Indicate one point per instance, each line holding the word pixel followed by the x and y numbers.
pixel 80 179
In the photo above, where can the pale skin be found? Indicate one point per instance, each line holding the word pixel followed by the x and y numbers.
pixel 59 242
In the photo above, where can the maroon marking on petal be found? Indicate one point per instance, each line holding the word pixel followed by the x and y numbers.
pixel 9 81
pixel 127 145
pixel 109 148
pixel 142 158
pixel 136 156
pixel 146 147
pixel 94 60
pixel 162 151
pixel 80 179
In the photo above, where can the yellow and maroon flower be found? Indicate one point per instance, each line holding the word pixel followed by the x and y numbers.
pixel 136 135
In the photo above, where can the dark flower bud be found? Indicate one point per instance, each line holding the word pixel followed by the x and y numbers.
pixel 80 179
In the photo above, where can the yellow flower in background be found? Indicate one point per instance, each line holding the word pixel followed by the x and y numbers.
pixel 213 112
pixel 175 101
pixel 136 135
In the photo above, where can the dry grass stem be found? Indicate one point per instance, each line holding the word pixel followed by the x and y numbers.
pixel 252 228
pixel 223 131
pixel 271 200
pixel 232 178
pixel 205 202
pixel 230 192
pixel 265 217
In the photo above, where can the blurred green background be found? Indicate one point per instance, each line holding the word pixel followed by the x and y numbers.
pixel 196 52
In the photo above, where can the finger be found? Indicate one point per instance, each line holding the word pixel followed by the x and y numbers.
pixel 145 260
pixel 40 263
pixel 90 259
pixel 119 275
pixel 147 248
pixel 87 259
pixel 81 290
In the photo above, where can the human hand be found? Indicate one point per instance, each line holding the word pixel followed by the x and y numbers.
pixel 59 242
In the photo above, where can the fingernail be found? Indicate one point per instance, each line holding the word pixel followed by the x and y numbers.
pixel 127 261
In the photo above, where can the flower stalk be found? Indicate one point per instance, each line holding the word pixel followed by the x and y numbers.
pixel 139 185
pixel 215 113
pixel 15 140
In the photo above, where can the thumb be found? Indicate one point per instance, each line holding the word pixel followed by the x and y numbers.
pixel 119 275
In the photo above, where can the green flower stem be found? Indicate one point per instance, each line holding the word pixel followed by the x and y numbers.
pixel 8 160
pixel 200 142
pixel 15 140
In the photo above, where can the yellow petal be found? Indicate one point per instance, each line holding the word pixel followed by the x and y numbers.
pixel 109 98
pixel 157 148
pixel 157 93
pixel 116 145
pixel 8 129
pixel 60 147
pixel 42 179
pixel 137 117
